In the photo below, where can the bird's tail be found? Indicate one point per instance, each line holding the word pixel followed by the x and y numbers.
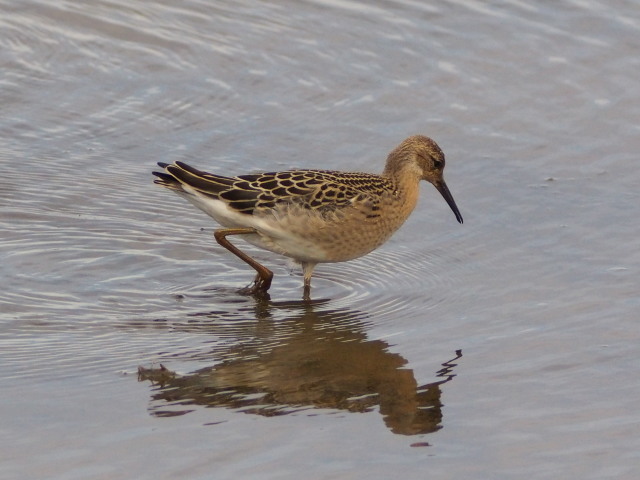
pixel 166 179
pixel 177 175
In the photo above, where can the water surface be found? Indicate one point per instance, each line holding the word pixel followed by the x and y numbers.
pixel 501 348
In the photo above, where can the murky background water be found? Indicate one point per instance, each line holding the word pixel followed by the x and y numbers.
pixel 536 106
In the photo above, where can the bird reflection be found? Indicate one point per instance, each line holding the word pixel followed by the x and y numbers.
pixel 312 359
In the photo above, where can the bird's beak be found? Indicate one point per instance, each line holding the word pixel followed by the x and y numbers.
pixel 444 191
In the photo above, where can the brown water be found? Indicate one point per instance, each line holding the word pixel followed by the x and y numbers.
pixel 537 109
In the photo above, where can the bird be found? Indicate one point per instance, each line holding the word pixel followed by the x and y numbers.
pixel 310 215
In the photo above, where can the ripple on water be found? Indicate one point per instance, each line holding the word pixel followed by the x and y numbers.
pixel 386 283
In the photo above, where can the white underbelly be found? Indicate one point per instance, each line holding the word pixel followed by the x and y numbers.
pixel 274 233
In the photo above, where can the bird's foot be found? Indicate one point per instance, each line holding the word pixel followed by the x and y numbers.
pixel 259 287
pixel 306 293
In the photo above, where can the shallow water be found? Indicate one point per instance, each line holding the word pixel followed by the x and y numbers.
pixel 504 347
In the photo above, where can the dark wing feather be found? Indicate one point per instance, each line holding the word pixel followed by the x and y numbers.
pixel 207 183
pixel 237 192
pixel 322 190
pixel 341 189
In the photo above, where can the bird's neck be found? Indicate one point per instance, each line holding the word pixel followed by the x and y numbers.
pixel 407 188
pixel 402 173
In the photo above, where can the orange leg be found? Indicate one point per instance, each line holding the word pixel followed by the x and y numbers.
pixel 264 276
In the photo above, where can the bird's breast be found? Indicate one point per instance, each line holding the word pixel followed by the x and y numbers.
pixel 332 235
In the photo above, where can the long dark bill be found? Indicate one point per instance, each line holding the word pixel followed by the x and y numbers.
pixel 444 191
